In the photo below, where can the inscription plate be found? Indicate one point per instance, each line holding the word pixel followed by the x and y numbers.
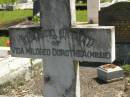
pixel 84 44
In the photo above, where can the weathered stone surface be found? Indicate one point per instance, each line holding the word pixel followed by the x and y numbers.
pixel 55 14
pixel 4 52
pixel 95 44
pixel 123 53
pixel 110 74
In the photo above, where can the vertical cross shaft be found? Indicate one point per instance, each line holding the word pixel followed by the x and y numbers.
pixel 60 73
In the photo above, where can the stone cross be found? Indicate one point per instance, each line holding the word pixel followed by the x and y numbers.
pixel 73 12
pixel 61 47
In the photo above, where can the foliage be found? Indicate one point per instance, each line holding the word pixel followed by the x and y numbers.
pixel 36 19
pixel 126 68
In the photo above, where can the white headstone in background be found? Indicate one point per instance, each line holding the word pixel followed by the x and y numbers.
pixel 73 12
pixel 23 4
pixel 93 6
pixel 115 1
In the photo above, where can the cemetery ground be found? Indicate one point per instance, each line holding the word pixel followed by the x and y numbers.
pixel 90 85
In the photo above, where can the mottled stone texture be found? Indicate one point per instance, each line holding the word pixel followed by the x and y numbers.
pixel 55 14
pixel 123 53
pixel 107 76
pixel 59 72
pixel 117 15
pixel 85 44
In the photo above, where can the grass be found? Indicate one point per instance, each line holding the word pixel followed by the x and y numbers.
pixel 81 16
pixel 10 16
pixel 126 68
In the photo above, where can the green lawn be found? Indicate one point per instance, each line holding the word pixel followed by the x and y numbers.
pixel 81 16
pixel 10 16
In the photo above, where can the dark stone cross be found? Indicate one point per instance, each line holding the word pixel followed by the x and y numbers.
pixel 61 47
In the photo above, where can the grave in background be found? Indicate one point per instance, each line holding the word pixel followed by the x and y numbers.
pixel 118 15
pixel 93 7
pixel 23 4
pixel 110 72
pixel 11 67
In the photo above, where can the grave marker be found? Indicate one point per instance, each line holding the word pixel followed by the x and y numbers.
pixel 73 12
pixel 93 6
pixel 118 15
pixel 61 47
